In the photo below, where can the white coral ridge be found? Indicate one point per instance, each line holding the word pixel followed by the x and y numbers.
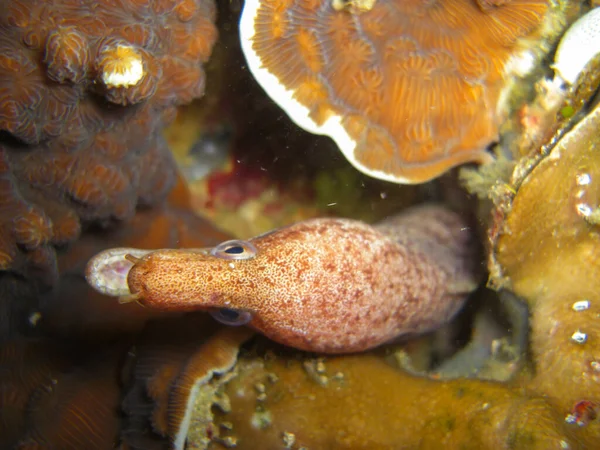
pixel 579 45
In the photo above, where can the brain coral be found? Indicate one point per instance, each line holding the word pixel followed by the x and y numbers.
pixel 85 88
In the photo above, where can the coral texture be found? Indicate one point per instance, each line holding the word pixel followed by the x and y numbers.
pixel 549 253
pixel 173 367
pixel 54 396
pixel 85 88
pixel 63 392
pixel 407 89
pixel 361 402
pixel 54 54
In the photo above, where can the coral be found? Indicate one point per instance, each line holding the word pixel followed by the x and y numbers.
pixel 101 181
pixel 402 100
pixel 76 411
pixel 50 399
pixel 176 363
pixel 24 366
pixel 361 402
pixel 125 51
pixel 548 253
pixel 216 357
pixel 325 285
pixel 62 392
pixel 183 375
pixel 85 89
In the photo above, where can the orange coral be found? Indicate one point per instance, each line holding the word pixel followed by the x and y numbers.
pixel 52 390
pixel 75 411
pixel 175 361
pixel 407 89
pixel 125 51
pixel 49 399
pixel 85 88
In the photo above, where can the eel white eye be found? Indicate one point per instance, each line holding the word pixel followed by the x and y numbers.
pixel 231 317
pixel 235 249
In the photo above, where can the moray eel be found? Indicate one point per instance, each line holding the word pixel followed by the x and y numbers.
pixel 324 285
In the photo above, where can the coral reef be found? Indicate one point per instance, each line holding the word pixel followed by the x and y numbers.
pixel 403 102
pixel 262 185
pixel 78 370
pixel 62 390
pixel 58 395
pixel 174 364
pixel 126 52
pixel 360 402
pixel 85 89
pixel 554 265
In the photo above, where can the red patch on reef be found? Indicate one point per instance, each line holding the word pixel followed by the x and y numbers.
pixel 232 187
pixel 583 413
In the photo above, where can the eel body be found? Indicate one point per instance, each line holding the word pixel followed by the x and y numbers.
pixel 324 285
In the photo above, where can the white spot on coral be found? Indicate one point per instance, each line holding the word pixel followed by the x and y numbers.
pixel 579 337
pixel 584 179
pixel 129 72
pixel 581 305
pixel 578 47
pixel 583 209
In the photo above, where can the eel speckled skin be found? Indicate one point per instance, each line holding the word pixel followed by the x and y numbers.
pixel 324 285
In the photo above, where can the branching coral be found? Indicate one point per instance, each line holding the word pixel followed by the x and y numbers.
pixel 85 88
